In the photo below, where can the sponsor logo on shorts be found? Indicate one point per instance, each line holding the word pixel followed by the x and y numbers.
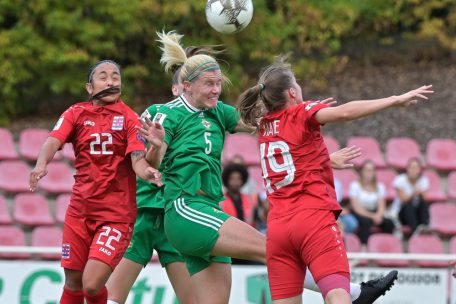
pixel 65 251
pixel 105 251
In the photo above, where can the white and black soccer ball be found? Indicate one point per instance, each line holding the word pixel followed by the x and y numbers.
pixel 229 16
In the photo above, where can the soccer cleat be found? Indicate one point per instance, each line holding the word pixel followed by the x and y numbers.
pixel 373 289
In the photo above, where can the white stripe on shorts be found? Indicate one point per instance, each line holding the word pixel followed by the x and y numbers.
pixel 184 213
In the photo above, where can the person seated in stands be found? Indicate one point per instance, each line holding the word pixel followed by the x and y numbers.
pixel 347 221
pixel 367 200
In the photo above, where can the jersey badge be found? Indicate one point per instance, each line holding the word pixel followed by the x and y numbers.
pixel 65 251
pixel 117 123
pixel 206 123
pixel 159 118
pixel 58 124
pixel 201 115
pixel 145 115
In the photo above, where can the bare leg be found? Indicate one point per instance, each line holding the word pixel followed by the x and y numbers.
pixel 122 279
pixel 213 284
pixel 95 276
pixel 293 300
pixel 338 296
pixel 180 279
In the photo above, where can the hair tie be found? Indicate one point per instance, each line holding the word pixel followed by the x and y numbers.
pixel 262 86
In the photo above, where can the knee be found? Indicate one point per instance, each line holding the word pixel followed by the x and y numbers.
pixel 73 280
pixel 92 286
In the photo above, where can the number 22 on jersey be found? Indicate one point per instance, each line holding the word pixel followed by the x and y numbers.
pixel 270 153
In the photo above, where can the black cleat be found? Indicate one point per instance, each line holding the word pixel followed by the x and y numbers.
pixel 373 289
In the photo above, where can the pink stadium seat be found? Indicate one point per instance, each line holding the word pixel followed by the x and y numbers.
pixel 242 144
pixel 427 244
pixel 12 236
pixel 331 143
pixel 32 209
pixel 386 243
pixel 386 177
pixel 442 218
pixel 5 217
pixel 61 205
pixel 399 150
pixel 59 178
pixel 352 242
pixel 346 177
pixel 14 176
pixel 435 192
pixel 441 154
pixel 45 236
pixel 68 152
pixel 256 174
pixel 452 185
pixel 370 149
pixel 8 151
pixel 30 142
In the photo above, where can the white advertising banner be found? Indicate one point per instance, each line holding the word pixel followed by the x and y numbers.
pixel 29 282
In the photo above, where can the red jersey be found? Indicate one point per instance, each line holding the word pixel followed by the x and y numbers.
pixel 296 167
pixel 102 137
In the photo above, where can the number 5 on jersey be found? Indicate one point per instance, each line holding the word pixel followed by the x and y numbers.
pixel 285 170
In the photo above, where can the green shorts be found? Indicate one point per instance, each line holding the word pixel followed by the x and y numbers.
pixel 149 234
pixel 191 226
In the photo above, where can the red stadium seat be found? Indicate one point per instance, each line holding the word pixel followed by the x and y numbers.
pixel 242 144
pixel 346 177
pixel 8 151
pixel 386 177
pixel 352 242
pixel 32 209
pixel 12 236
pixel 59 178
pixel 399 150
pixel 331 143
pixel 5 217
pixel 45 236
pixel 452 185
pixel 441 154
pixel 68 152
pixel 14 176
pixel 435 192
pixel 30 142
pixel 61 205
pixel 256 174
pixel 427 244
pixel 442 218
pixel 386 243
pixel 370 149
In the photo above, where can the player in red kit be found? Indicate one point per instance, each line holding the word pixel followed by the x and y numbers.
pixel 99 220
pixel 302 229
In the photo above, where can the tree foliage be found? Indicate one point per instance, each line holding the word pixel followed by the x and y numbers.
pixel 47 46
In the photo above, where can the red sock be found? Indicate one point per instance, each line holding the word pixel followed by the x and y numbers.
pixel 71 297
pixel 100 298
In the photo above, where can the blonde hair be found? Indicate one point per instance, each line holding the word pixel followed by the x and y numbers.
pixel 174 55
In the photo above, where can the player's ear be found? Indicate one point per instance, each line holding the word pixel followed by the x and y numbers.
pixel 175 90
pixel 292 93
pixel 89 88
pixel 187 86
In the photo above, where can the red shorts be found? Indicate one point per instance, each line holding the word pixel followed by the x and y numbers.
pixel 85 239
pixel 310 238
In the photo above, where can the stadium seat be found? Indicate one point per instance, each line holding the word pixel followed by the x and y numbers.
pixel 427 244
pixel 68 152
pixel 8 151
pixel 352 242
pixel 386 177
pixel 5 217
pixel 47 236
pixel 30 142
pixel 452 245
pixel 256 174
pixel 331 143
pixel 12 236
pixel 386 243
pixel 242 144
pixel 32 209
pixel 346 177
pixel 399 150
pixel 435 192
pixel 452 185
pixel 442 218
pixel 61 205
pixel 14 176
pixel 370 149
pixel 59 178
pixel 441 154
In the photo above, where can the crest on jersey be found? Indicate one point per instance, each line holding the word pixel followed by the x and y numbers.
pixel 117 123
pixel 206 123
pixel 159 118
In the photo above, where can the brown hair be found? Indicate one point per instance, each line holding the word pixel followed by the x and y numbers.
pixel 268 95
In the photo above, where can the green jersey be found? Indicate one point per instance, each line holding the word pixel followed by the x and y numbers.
pixel 195 141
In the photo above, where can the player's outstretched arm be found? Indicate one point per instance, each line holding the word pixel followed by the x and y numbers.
pixel 361 108
pixel 341 158
pixel 143 169
pixel 47 152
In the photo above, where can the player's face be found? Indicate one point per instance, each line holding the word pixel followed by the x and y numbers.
pixel 235 181
pixel 205 90
pixel 106 75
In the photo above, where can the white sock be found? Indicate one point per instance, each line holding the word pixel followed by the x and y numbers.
pixel 112 302
pixel 309 282
pixel 355 291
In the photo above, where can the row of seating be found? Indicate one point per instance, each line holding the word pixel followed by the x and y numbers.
pixel 388 243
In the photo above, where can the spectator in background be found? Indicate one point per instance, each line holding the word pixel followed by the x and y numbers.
pixel 410 200
pixel 367 200
pixel 347 221
pixel 249 188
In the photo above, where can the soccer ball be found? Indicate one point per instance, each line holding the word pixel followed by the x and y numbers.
pixel 229 16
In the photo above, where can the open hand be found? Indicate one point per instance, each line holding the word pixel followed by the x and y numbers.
pixel 412 97
pixel 341 158
pixel 152 132
pixel 153 176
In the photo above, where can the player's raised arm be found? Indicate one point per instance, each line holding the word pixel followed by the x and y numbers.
pixel 361 108
pixel 143 169
pixel 47 152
